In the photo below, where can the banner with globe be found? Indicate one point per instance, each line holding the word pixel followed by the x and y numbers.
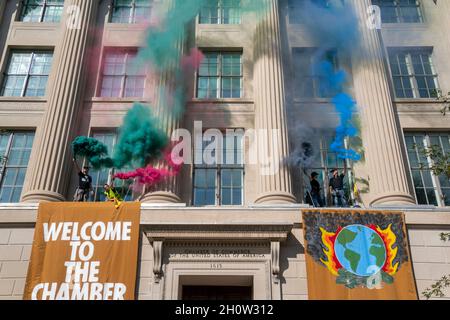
pixel 357 254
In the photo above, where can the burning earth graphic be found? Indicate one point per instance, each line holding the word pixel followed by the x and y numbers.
pixel 359 252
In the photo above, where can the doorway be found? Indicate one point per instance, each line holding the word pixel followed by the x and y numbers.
pixel 208 287
pixel 217 293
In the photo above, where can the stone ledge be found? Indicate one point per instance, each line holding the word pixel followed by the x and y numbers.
pixel 24 214
pixel 226 231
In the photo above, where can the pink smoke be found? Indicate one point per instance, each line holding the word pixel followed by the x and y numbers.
pixel 193 60
pixel 150 175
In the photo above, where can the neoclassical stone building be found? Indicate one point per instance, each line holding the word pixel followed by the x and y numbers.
pixel 228 230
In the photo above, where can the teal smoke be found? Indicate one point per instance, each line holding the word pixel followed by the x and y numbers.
pixel 93 150
pixel 140 138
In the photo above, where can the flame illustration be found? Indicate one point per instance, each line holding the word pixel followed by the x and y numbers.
pixel 389 239
pixel 328 239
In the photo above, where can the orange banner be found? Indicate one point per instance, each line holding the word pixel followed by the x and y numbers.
pixel 357 255
pixel 84 251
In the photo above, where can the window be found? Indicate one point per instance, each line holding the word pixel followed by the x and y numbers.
pixel 413 73
pixel 121 77
pixel 309 79
pixel 221 12
pixel 430 189
pixel 131 11
pixel 15 150
pixel 220 76
pixel 27 74
pixel 42 10
pixel 102 176
pixel 399 11
pixel 221 183
pixel 323 162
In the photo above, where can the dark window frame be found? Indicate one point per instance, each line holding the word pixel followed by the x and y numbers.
pixel 400 16
pixel 128 54
pixel 394 54
pixel 132 17
pixel 219 168
pixel 4 166
pixel 44 5
pixel 220 77
pixel 28 73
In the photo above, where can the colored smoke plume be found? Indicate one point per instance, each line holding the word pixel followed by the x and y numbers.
pixel 140 138
pixel 151 175
pixel 303 152
pixel 333 25
pixel 95 152
pixel 333 82
pixel 162 43
pixel 193 60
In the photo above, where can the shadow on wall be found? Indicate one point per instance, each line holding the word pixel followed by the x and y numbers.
pixel 289 256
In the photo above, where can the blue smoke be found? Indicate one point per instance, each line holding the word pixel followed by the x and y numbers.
pixel 332 84
pixel 333 25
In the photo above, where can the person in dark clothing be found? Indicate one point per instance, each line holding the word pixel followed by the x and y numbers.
pixel 84 184
pixel 337 187
pixel 315 190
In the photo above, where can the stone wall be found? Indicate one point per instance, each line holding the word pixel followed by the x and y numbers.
pixel 430 256
pixel 15 250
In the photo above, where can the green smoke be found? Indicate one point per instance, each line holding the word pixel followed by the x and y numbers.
pixel 140 138
pixel 93 150
pixel 162 43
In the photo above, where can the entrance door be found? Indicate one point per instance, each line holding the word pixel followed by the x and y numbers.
pixel 217 293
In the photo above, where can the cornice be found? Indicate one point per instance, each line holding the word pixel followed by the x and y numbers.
pixel 238 232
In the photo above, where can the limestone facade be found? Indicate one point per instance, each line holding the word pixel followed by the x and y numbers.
pixel 266 230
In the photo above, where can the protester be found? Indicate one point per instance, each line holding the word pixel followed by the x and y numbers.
pixel 315 191
pixel 337 187
pixel 84 184
pixel 112 195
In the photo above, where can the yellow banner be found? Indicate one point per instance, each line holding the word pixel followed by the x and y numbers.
pixel 357 255
pixel 84 251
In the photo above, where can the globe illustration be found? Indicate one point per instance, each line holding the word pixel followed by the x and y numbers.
pixel 360 250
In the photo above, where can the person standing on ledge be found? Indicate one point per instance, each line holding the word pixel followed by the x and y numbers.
pixel 84 184
pixel 337 187
pixel 315 191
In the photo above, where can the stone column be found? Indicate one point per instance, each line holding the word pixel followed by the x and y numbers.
pixel 50 173
pixel 169 113
pixel 270 119
pixel 381 134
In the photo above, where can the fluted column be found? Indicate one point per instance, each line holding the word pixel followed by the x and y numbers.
pixel 274 185
pixel 381 134
pixel 51 170
pixel 168 112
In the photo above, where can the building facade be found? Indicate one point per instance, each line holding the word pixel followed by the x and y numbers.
pixel 224 230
